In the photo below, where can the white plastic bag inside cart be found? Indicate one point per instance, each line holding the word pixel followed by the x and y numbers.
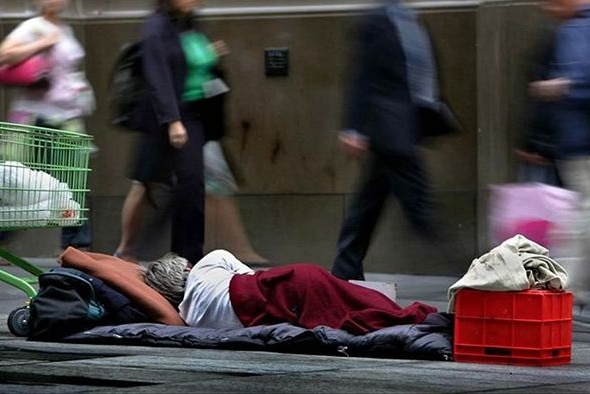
pixel 543 213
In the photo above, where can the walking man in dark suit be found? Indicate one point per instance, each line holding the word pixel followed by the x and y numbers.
pixel 393 85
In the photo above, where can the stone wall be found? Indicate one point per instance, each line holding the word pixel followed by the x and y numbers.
pixel 282 133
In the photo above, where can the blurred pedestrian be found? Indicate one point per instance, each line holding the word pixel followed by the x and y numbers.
pixel 221 187
pixel 567 88
pixel 66 98
pixel 220 203
pixel 536 150
pixel 178 116
pixel 393 84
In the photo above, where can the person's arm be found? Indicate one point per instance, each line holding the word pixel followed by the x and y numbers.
pixel 20 44
pixel 531 157
pixel 550 89
pixel 357 91
pixel 177 134
pixel 220 48
pixel 569 71
pixel 372 36
pixel 353 142
pixel 160 82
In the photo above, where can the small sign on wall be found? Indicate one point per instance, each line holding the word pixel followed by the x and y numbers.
pixel 276 62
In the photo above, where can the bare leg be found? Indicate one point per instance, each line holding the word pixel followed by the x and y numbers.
pixel 230 233
pixel 131 218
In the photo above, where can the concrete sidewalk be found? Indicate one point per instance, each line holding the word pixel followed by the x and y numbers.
pixel 28 367
pixel 34 367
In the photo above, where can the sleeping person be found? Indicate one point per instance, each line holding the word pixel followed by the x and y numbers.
pixel 222 292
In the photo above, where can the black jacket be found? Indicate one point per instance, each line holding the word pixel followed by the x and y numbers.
pixel 378 101
pixel 164 74
pixel 164 71
pixel 540 129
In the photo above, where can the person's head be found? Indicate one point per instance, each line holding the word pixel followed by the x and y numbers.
pixel 183 7
pixel 181 12
pixel 52 8
pixel 561 9
pixel 167 276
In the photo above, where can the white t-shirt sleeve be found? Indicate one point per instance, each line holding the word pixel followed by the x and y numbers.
pixel 225 260
pixel 234 265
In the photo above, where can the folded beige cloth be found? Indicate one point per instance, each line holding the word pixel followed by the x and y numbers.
pixel 517 264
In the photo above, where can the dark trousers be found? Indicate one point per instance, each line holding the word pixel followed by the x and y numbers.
pixel 403 177
pixel 188 201
pixel 78 237
pixel 158 162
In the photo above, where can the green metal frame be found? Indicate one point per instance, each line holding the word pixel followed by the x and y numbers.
pixel 62 154
pixel 25 284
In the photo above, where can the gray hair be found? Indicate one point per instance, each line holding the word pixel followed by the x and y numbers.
pixel 168 276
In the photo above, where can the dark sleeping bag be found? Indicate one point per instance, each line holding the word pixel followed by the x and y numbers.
pixel 429 340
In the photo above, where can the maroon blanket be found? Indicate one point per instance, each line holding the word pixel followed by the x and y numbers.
pixel 308 296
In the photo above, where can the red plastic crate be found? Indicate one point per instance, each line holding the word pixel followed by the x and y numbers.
pixel 532 327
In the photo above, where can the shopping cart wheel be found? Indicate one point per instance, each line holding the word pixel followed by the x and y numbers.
pixel 18 322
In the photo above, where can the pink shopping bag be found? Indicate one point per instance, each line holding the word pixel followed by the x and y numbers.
pixel 538 211
pixel 26 73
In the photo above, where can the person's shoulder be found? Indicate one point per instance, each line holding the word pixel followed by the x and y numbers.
pixel 157 20
pixel 32 24
pixel 156 24
pixel 381 13
pixel 34 21
pixel 375 21
pixel 28 29
pixel 378 11
pixel 581 21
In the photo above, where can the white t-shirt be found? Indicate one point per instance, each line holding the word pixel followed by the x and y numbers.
pixel 206 300
pixel 69 95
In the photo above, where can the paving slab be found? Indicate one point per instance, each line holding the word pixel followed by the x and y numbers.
pixel 34 367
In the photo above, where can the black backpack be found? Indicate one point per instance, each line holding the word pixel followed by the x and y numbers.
pixel 126 86
pixel 66 303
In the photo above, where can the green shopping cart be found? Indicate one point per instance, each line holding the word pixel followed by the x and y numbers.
pixel 43 183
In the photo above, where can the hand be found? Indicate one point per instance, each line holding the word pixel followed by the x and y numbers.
pixel 220 48
pixel 177 134
pixel 352 144
pixel 549 90
pixel 531 157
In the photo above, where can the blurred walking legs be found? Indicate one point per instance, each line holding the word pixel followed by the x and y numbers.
pixel 225 229
pixel 406 179
pixel 131 220
pixel 576 176
pixel 230 233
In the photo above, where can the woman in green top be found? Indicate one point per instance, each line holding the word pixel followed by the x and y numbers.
pixel 179 64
